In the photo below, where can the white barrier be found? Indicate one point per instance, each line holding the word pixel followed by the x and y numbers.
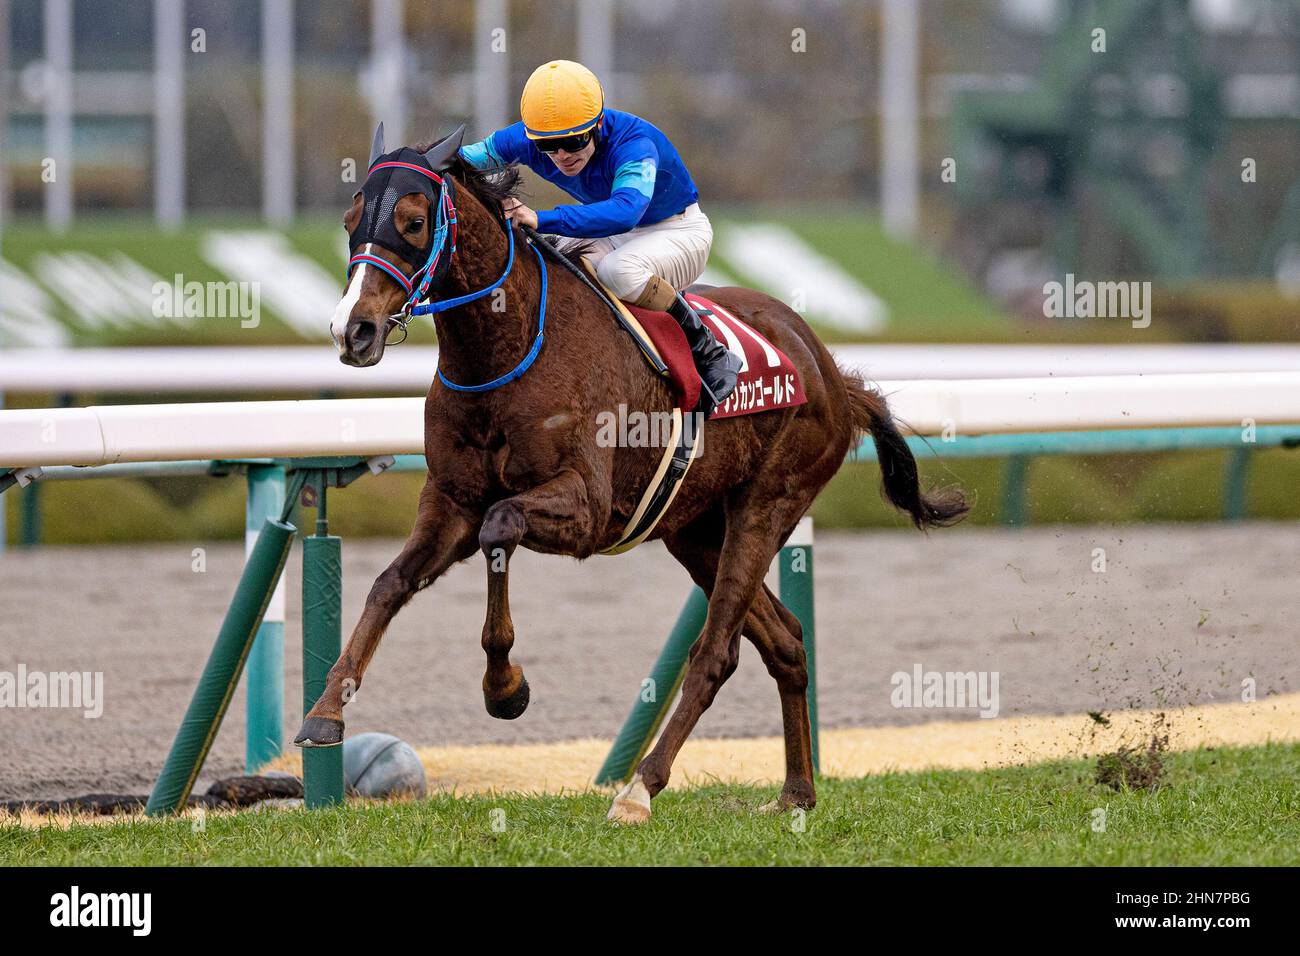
pixel 125 433
pixel 374 426
pixel 409 369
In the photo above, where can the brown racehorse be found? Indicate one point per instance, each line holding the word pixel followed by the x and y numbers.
pixel 520 465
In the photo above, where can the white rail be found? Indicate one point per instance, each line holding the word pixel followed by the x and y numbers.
pixel 374 426
pixel 409 369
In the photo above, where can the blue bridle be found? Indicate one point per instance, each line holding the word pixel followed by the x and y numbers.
pixel 417 285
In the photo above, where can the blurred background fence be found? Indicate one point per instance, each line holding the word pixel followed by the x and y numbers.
pixel 896 170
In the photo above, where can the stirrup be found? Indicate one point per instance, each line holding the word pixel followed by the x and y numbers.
pixel 707 403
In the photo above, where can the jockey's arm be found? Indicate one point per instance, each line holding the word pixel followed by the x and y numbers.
pixel 485 154
pixel 636 165
pixel 502 148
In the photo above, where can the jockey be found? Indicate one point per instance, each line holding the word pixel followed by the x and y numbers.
pixel 637 204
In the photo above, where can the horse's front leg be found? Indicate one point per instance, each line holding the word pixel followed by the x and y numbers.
pixel 555 516
pixel 443 535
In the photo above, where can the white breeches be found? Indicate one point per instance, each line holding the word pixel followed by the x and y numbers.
pixel 676 249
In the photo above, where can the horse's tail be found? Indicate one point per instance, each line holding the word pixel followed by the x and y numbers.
pixel 937 508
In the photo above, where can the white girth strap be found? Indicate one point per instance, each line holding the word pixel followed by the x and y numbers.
pixel 626 543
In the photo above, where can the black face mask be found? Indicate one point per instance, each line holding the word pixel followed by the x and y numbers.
pixel 381 193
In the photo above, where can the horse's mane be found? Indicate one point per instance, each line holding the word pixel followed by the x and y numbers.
pixel 494 186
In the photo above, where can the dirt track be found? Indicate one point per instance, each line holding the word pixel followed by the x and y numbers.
pixel 1182 615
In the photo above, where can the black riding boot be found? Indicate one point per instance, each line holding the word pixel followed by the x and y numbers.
pixel 717 365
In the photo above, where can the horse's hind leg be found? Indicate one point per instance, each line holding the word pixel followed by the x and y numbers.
pixel 756 519
pixel 777 634
pixel 442 536
pixel 553 516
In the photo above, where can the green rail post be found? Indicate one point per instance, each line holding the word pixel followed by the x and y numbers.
pixel 264 705
pixel 322 641
pixel 221 673
pixel 1235 483
pixel 1013 490
pixel 657 693
pixel 29 530
pixel 796 563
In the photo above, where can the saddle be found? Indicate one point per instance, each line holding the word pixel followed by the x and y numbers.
pixel 768 380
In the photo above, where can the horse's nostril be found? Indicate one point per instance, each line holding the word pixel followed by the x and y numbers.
pixel 362 336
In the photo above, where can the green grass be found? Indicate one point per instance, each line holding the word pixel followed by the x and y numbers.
pixel 1217 807
pixel 928 300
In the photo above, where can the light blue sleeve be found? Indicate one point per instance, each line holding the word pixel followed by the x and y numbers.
pixel 501 148
pixel 480 155
pixel 638 174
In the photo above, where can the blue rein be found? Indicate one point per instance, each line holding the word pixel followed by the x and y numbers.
pixel 533 352
pixel 433 308
pixel 446 222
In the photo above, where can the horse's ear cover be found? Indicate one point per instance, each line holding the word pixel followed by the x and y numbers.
pixel 383 189
pixel 441 153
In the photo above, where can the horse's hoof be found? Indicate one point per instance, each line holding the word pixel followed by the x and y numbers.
pixel 320 732
pixel 508 708
pixel 787 802
pixel 632 805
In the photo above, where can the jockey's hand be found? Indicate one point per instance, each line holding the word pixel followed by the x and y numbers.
pixel 520 214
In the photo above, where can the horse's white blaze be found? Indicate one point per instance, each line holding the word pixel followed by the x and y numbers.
pixel 339 324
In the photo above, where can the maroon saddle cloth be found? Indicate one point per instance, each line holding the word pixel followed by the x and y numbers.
pixel 767 380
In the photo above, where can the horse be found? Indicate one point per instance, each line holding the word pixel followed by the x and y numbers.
pixel 520 465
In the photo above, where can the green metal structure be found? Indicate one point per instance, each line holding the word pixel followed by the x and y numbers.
pixel 322 642
pixel 1123 149
pixel 265 682
pixel 243 638
pixel 796 586
pixel 322 581
pixel 221 673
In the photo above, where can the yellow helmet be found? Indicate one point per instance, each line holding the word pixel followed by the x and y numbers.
pixel 561 98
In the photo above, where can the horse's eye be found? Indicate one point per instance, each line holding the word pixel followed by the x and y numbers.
pixel 415 226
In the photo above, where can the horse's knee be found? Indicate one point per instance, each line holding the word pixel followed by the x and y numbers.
pixel 390 590
pixel 787 619
pixel 711 666
pixel 782 652
pixel 791 676
pixel 732 659
pixel 503 528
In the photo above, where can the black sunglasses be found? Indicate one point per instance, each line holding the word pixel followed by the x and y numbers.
pixel 570 144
